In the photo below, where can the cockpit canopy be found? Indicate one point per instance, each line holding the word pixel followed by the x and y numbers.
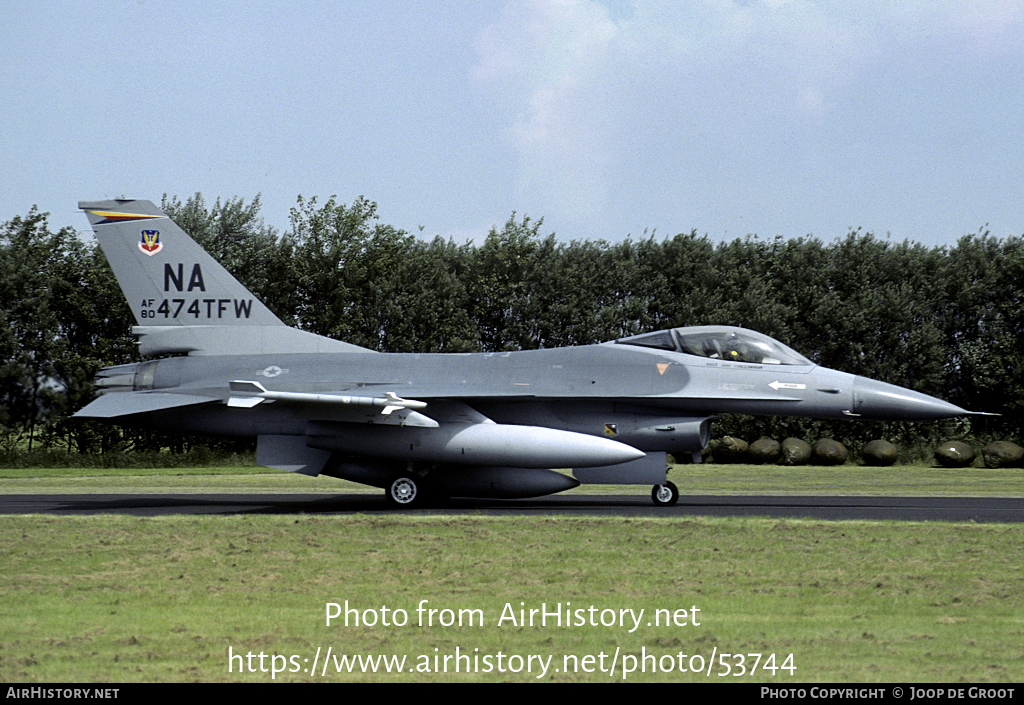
pixel 720 343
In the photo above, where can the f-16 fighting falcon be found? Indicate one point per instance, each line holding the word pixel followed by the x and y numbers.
pixel 430 426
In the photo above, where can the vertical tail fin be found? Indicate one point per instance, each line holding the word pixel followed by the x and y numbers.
pixel 182 298
pixel 168 278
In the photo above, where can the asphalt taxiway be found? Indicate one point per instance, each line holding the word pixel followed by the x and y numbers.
pixel 889 508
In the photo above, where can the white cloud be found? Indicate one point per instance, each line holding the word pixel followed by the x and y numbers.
pixel 544 64
pixel 695 92
pixel 576 88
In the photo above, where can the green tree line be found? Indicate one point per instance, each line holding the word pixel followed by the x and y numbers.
pixel 946 321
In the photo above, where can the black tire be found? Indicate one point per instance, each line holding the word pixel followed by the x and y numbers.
pixel 665 495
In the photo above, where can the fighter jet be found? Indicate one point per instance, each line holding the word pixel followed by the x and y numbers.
pixel 425 427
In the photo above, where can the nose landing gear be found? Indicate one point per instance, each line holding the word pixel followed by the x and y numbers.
pixel 665 495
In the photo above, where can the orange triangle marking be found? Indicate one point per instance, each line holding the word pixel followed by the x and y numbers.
pixel 662 366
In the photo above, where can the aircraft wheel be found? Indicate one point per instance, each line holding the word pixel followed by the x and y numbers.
pixel 404 491
pixel 665 495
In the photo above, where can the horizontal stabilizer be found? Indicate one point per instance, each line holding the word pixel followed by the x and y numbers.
pixel 117 404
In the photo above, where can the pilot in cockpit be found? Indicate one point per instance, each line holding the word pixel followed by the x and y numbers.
pixel 737 351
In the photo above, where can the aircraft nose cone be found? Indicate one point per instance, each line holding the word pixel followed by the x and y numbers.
pixel 887 402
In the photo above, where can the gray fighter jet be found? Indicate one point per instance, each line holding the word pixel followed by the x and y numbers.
pixel 439 425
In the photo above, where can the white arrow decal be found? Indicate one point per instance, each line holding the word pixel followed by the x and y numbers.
pixel 776 385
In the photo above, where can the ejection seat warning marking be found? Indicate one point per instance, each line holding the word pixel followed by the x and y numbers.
pixel 662 366
pixel 776 385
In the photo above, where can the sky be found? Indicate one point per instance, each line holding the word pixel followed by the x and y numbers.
pixel 606 118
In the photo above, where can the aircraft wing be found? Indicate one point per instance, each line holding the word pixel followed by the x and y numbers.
pixel 388 410
pixel 246 394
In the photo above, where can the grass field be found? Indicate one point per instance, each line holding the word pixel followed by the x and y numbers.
pixel 917 480
pixel 121 599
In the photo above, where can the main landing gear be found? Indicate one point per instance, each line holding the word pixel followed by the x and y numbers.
pixel 665 495
pixel 404 491
pixel 410 491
